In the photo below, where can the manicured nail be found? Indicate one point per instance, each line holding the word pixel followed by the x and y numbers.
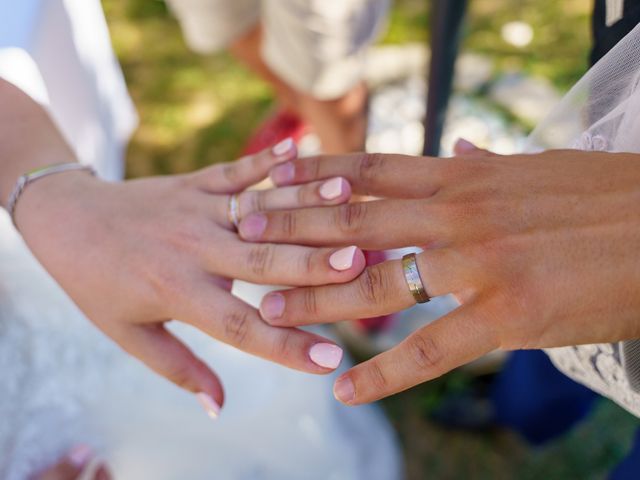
pixel 343 259
pixel 283 147
pixel 252 227
pixel 332 189
pixel 326 355
pixel 465 146
pixel 80 455
pixel 209 404
pixel 344 390
pixel 283 173
pixel 272 306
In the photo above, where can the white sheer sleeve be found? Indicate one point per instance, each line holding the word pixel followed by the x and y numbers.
pixel 601 112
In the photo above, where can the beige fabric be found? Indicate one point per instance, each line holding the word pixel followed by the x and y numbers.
pixel 316 46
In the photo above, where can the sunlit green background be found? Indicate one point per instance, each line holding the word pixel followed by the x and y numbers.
pixel 198 110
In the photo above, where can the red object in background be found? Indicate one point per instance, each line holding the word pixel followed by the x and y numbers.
pixel 283 124
pixel 375 324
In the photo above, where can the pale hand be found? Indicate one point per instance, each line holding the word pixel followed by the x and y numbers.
pixel 135 254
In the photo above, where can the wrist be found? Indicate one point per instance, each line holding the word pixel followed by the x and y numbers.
pixel 53 197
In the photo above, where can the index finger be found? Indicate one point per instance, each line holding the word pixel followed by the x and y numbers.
pixel 451 341
pixel 380 290
pixel 377 174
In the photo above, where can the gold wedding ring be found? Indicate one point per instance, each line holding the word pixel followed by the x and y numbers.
pixel 414 281
pixel 234 210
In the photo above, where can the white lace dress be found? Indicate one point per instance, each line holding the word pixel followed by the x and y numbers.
pixel 64 383
pixel 601 112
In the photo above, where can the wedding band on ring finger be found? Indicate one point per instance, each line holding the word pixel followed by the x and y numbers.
pixel 233 212
pixel 413 278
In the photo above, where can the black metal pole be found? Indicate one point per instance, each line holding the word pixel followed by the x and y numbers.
pixel 446 23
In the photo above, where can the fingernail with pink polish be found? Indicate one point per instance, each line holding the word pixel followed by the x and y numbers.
pixel 332 189
pixel 326 355
pixel 80 455
pixel 209 404
pixel 343 259
pixel 344 390
pixel 283 147
pixel 465 146
pixel 272 306
pixel 253 226
pixel 283 174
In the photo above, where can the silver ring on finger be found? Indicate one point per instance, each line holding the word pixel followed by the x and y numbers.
pixel 413 278
pixel 233 211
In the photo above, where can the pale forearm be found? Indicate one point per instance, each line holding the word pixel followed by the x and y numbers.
pixel 28 138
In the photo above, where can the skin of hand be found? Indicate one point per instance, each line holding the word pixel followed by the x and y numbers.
pixel 540 250
pixel 133 255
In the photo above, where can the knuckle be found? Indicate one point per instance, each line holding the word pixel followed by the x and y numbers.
pixel 310 168
pixel 350 218
pixel 258 200
pixel 308 261
pixel 231 172
pixel 302 195
pixel 424 352
pixel 377 377
pixel 284 346
pixel 370 166
pixel 236 328
pixel 262 161
pixel 259 160
pixel 260 259
pixel 373 285
pixel 289 222
pixel 310 301
pixel 180 374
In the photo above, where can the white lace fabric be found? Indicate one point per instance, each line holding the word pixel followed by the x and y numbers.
pixel 600 113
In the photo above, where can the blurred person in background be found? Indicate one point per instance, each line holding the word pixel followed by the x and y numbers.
pixel 311 52
pixel 79 244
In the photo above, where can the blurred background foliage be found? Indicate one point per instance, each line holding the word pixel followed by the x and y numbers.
pixel 197 110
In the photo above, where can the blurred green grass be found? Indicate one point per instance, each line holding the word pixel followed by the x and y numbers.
pixel 196 110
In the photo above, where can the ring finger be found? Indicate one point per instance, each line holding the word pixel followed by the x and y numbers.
pixel 334 191
pixel 381 289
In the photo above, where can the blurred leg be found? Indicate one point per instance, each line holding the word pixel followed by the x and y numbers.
pixel 247 50
pixel 532 397
pixel 340 123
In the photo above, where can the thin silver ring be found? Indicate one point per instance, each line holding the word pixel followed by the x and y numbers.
pixel 413 278
pixel 234 210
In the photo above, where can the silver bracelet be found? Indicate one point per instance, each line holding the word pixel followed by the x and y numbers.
pixel 25 180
